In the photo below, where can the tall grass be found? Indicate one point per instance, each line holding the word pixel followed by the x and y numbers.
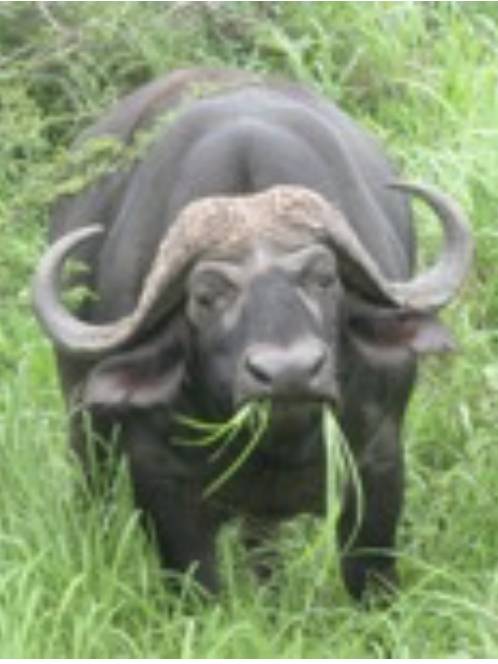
pixel 80 581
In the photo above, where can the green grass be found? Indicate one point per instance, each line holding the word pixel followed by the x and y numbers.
pixel 78 581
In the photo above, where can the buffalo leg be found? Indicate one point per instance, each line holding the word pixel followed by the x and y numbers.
pixel 367 537
pixel 173 513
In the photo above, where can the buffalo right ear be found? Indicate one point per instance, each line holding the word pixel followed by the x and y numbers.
pixel 386 333
pixel 148 376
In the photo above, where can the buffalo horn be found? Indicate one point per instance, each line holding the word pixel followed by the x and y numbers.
pixel 218 225
pixel 428 291
pixel 435 288
pixel 69 333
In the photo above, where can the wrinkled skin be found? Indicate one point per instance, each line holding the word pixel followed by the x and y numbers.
pixel 271 323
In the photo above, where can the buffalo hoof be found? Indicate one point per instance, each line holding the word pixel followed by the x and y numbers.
pixel 373 581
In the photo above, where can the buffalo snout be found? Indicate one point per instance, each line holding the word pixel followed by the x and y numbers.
pixel 301 370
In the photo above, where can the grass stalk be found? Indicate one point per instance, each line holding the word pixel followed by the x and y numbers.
pixel 251 421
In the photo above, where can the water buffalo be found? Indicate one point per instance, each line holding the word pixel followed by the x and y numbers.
pixel 255 244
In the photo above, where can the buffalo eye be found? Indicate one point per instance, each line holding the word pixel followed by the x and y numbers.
pixel 210 294
pixel 319 275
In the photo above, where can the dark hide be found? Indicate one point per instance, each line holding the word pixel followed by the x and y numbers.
pixel 230 134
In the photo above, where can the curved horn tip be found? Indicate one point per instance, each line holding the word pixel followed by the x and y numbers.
pixel 50 311
pixel 81 234
pixel 439 285
pixel 407 187
pixel 441 202
pixel 56 254
pixel 428 192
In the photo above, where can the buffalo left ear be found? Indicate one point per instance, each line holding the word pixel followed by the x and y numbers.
pixel 421 333
pixel 148 376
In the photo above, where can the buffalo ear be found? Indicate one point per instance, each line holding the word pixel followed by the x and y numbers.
pixel 390 331
pixel 147 376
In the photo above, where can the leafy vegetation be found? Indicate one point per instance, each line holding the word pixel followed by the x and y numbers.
pixel 79 581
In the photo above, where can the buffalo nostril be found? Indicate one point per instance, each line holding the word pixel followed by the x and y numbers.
pixel 259 368
pixel 315 361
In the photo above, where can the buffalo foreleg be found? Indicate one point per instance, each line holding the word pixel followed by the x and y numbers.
pixel 367 528
pixel 173 514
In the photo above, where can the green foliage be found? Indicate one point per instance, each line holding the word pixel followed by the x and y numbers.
pixel 80 581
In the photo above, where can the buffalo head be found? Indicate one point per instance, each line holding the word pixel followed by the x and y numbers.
pixel 264 324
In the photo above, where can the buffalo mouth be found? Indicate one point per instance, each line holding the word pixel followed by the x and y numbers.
pixel 290 414
pixel 297 406
pixel 288 396
pixel 294 429
pixel 302 403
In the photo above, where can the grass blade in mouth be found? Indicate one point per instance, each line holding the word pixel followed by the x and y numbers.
pixel 259 425
pixel 252 419
pixel 209 433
